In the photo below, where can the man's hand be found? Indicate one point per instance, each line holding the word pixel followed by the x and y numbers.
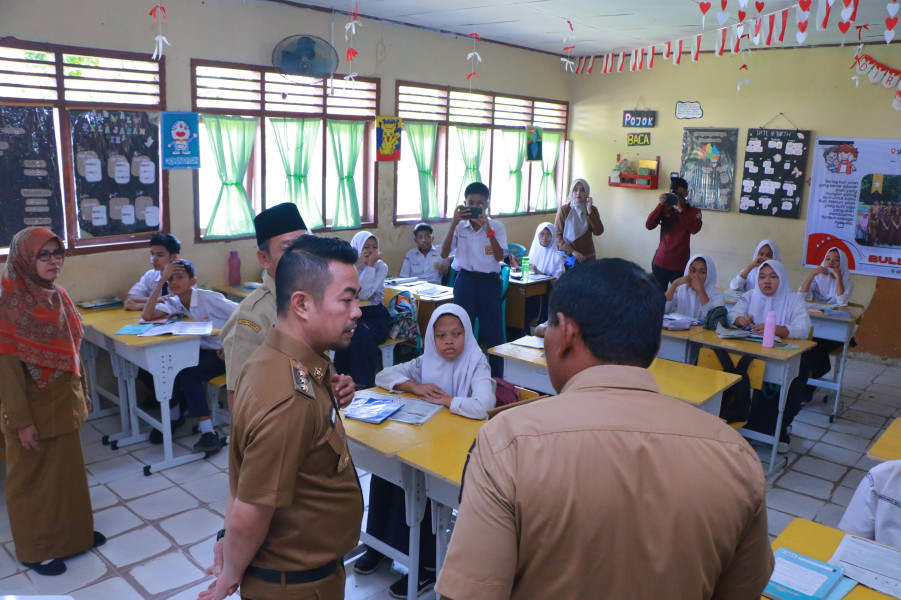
pixel 662 199
pixel 460 213
pixel 343 386
pixel 482 220
pixel 171 269
pixel 225 584
pixel 579 256
pixel 28 437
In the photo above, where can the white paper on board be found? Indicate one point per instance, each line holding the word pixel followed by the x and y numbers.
pixel 93 170
pixel 147 172
pixel 122 172
pixel 152 216
pixel 98 216
pixel 128 214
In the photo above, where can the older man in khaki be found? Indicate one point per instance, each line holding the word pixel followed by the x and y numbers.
pixel 609 490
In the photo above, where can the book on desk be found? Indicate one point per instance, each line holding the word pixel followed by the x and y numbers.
pixel 799 577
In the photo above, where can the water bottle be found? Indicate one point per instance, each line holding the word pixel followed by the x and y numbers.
pixel 769 329
pixel 234 268
pixel 525 268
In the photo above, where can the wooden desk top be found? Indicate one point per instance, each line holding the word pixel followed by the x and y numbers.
pixel 91 316
pixel 888 445
pixel 529 356
pixel 532 280
pixel 709 338
pixel 855 311
pixel 110 327
pixel 235 290
pixel 819 542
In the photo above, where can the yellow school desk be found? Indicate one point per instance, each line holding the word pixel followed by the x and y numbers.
pixel 517 292
pixel 781 366
pixel 887 445
pixel 677 346
pixel 838 329
pixel 819 542
pixel 701 387
pixel 235 293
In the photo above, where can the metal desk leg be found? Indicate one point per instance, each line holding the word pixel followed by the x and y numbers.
pixel 89 354
pixel 414 504
pixel 121 370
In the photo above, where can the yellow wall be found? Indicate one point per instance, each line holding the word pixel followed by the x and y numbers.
pixel 245 31
pixel 811 86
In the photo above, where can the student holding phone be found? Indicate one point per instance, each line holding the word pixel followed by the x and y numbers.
pixel 480 244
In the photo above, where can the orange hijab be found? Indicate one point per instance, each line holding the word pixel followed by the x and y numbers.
pixel 38 322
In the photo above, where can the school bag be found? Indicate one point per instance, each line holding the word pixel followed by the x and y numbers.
pixel 736 405
pixel 404 325
pixel 715 315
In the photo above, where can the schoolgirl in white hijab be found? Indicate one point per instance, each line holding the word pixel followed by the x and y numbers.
pixel 830 283
pixel 371 270
pixel 447 374
pixel 684 295
pixel 773 293
pixel 543 254
pixel 577 221
pixel 747 278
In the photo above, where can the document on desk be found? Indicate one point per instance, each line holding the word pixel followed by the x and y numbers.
pixel 871 564
pixel 743 334
pixel 530 341
pixel 180 328
pixel 412 410
pixel 799 577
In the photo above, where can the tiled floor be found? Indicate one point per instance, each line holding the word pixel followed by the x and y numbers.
pixel 161 528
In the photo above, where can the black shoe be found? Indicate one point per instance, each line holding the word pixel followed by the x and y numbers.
pixel 398 589
pixel 99 539
pixel 369 562
pixel 156 436
pixel 49 568
pixel 208 442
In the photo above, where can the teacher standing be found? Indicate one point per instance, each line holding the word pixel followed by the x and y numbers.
pixel 577 221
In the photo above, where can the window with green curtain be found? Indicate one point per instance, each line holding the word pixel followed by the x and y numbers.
pixel 547 188
pixel 472 144
pixel 422 138
pixel 347 139
pixel 231 140
pixel 515 146
pixel 296 140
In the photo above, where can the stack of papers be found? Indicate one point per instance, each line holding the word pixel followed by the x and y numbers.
pixel 530 341
pixel 400 280
pixel 871 564
pixel 677 322
pixel 408 410
pixel 372 410
pixel 180 328
pixel 744 334
pixel 799 577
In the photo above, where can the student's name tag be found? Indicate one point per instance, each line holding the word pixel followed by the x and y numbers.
pixel 488 251
pixel 435 266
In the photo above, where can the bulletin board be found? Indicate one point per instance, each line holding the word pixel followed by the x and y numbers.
pixel 116 171
pixel 774 172
pixel 29 172
pixel 708 165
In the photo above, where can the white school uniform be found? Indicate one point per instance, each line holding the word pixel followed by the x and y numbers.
pixel 146 284
pixel 473 248
pixel 789 306
pixel 739 283
pixel 423 267
pixel 372 279
pixel 467 378
pixel 206 305
pixel 685 300
pixel 546 258
pixel 823 288
pixel 875 510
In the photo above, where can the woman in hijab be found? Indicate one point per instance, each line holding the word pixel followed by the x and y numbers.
pixel 747 278
pixel 43 403
pixel 360 360
pixel 452 372
pixel 695 293
pixel 774 293
pixel 544 259
pixel 577 220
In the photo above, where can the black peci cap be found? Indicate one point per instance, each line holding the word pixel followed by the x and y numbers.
pixel 281 218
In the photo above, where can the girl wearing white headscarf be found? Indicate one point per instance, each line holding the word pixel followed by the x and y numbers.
pixel 695 293
pixel 543 255
pixel 459 380
pixel 577 220
pixel 830 283
pixel 371 270
pixel 747 278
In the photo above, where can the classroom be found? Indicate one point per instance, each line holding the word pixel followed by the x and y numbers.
pixel 216 60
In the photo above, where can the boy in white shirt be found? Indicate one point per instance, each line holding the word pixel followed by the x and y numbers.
pixel 200 305
pixel 164 248
pixel 424 261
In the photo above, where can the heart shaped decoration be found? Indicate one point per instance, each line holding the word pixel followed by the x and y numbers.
pixel 722 17
pixel 847 2
pixel 758 23
pixel 892 9
pixel 800 36
pixel 742 14
pixel 846 13
pixel 889 35
pixel 830 2
pixel 844 26
pixel 803 15
pixel 759 6
pixel 890 23
pixel 723 3
pixel 739 30
pixel 704 6
pixel 805 4
pixel 802 26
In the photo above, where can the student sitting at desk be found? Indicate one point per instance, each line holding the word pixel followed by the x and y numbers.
pixel 695 293
pixel 875 510
pixel 544 258
pixel 424 261
pixel 747 278
pixel 200 305
pixel 360 360
pixel 452 372
pixel 164 248
pixel 773 293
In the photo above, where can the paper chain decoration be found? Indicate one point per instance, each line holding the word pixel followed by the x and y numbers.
pixel 160 39
pixel 474 59
pixel 350 30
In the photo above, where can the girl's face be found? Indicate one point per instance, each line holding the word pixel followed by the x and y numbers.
pixel 698 270
pixel 579 192
pixel 450 337
pixel 370 246
pixel 544 238
pixel 833 260
pixel 768 281
pixel 765 253
pixel 49 261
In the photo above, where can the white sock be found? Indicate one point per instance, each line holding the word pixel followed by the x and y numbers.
pixel 205 426
pixel 174 413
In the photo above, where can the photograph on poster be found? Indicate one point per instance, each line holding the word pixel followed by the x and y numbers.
pixel 879 211
pixel 708 165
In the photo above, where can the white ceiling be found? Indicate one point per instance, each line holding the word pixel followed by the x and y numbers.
pixel 601 26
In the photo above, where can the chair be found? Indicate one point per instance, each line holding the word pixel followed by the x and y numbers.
pixel 218 408
pixel 707 358
pixel 517 251
pixel 525 396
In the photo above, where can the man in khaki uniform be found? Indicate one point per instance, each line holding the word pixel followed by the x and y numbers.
pixel 609 490
pixel 297 505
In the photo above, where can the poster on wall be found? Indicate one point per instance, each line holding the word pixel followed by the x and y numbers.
pixel 534 144
pixel 116 171
pixel 774 172
pixel 855 204
pixel 29 172
pixel 387 138
pixel 708 165
pixel 181 148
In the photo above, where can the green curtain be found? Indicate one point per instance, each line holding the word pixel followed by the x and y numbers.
pixel 422 138
pixel 547 188
pixel 515 145
pixel 472 143
pixel 347 139
pixel 296 140
pixel 231 139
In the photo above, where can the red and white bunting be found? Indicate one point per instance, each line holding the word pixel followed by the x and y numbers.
pixel 609 62
pixel 668 52
pixel 651 57
pixel 722 36
pixel 824 8
pixel 677 54
pixel 621 62
pixel 696 48
pixel 784 14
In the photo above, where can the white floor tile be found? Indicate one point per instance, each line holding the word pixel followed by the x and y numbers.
pixel 122 465
pixel 163 504
pixel 806 484
pixel 192 592
pixel 202 553
pixel 114 588
pixel 877 408
pixel 844 440
pixel 842 496
pixel 807 431
pixel 168 572
pixel 853 478
pixel 107 425
pixel 137 485
pixel 5 532
pixel 859 416
pixel 812 417
pixel 208 489
pixel 153 454
pixel 82 570
pixel 793 503
pixel 8 565
pixel 888 391
pixel 96 452
pixel 861 430
pixel 17 584
pixel 192 471
pixel 830 515
pixel 101 497
pixel 820 468
pixel 220 459
pixel 842 456
pixel 135 546
pixel 219 506
pixel 115 520
pixel 192 526
pixel 777 521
